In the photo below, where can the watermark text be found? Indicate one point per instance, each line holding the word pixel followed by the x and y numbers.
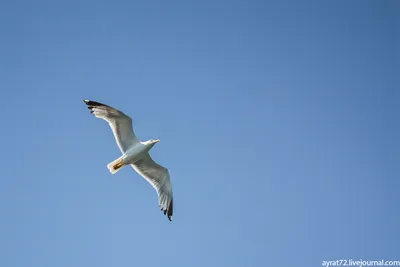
pixel 360 263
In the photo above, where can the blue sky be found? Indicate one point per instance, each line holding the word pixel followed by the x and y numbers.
pixel 278 122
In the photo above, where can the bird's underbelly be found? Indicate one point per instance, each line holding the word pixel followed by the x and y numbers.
pixel 134 154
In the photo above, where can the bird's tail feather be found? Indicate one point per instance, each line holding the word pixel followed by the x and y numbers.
pixel 116 165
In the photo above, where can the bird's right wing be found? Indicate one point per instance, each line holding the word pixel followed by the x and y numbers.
pixel 121 124
pixel 158 177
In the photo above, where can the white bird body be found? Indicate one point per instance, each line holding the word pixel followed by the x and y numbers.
pixel 135 153
pixel 132 155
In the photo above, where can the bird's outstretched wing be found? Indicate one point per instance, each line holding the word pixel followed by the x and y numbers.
pixel 158 177
pixel 120 124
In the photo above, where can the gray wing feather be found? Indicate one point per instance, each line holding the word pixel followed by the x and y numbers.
pixel 158 177
pixel 120 124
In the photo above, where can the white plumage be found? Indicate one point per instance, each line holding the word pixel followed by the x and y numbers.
pixel 135 153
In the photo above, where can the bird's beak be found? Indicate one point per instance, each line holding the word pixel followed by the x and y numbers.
pixel 156 141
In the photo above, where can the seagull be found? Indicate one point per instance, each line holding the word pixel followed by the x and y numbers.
pixel 135 153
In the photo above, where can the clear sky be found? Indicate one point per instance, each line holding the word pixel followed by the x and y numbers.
pixel 279 123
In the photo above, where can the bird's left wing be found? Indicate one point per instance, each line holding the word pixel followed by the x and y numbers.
pixel 120 124
pixel 158 177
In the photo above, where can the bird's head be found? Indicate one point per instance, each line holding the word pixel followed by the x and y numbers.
pixel 152 142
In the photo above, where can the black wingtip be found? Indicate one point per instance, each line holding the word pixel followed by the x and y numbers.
pixel 170 210
pixel 90 102
pixel 94 103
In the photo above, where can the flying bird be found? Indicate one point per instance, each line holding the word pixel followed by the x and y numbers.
pixel 135 153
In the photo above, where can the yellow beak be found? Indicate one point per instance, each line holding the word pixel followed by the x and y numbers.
pixel 156 141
